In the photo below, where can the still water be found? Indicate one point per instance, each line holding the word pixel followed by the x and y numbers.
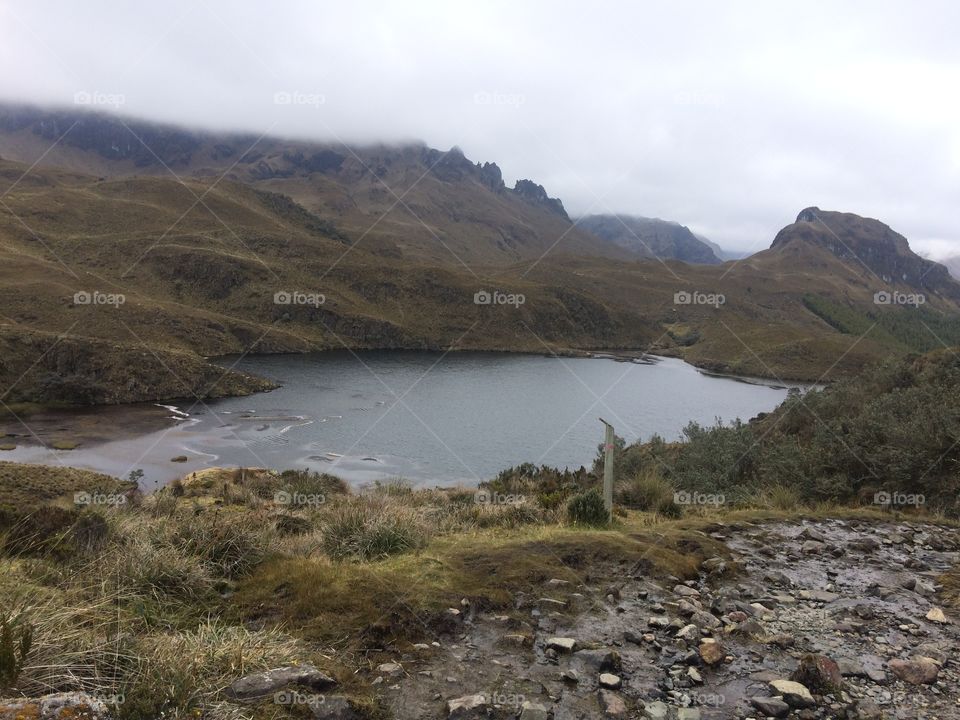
pixel 427 417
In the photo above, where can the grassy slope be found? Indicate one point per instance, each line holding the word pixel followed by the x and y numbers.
pixel 200 279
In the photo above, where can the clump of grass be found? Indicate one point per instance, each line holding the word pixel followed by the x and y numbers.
pixel 587 508
pixel 647 491
pixel 16 640
pixel 181 674
pixel 776 497
pixel 369 528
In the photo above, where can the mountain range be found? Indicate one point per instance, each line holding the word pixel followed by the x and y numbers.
pixel 130 253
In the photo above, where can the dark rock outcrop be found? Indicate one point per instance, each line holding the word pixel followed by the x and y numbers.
pixel 535 194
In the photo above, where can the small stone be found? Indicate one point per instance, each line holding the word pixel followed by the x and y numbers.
pixel 467 707
pixel 613 705
pixel 656 710
pixel 918 670
pixel 550 604
pixel 687 592
pixel 561 644
pixel 610 681
pixel 771 706
pixel 711 651
pixel 695 677
pixel 389 668
pixel 533 711
pixel 819 674
pixel 936 615
pixel 690 633
pixel 793 693
pixel 704 619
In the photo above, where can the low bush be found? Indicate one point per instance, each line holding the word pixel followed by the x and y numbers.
pixel 587 508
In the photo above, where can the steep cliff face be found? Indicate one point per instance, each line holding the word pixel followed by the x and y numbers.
pixel 870 244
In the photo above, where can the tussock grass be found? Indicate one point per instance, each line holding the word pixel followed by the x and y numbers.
pixel 647 490
pixel 370 528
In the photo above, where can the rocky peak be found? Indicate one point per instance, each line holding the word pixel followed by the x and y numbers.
pixel 491 176
pixel 537 195
pixel 866 242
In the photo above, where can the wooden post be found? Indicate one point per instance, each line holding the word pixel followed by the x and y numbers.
pixel 608 447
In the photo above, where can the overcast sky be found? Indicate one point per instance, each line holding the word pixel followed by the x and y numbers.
pixel 727 117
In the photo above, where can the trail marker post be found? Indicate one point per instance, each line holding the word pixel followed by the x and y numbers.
pixel 608 448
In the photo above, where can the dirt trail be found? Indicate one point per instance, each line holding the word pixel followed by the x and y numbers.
pixel 858 593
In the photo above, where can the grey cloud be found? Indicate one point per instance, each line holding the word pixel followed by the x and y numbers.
pixel 728 117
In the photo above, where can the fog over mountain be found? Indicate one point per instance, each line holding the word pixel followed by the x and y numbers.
pixel 726 125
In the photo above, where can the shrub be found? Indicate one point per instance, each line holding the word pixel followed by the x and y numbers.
pixel 587 508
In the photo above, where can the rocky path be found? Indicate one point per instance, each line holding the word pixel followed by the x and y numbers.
pixel 833 619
